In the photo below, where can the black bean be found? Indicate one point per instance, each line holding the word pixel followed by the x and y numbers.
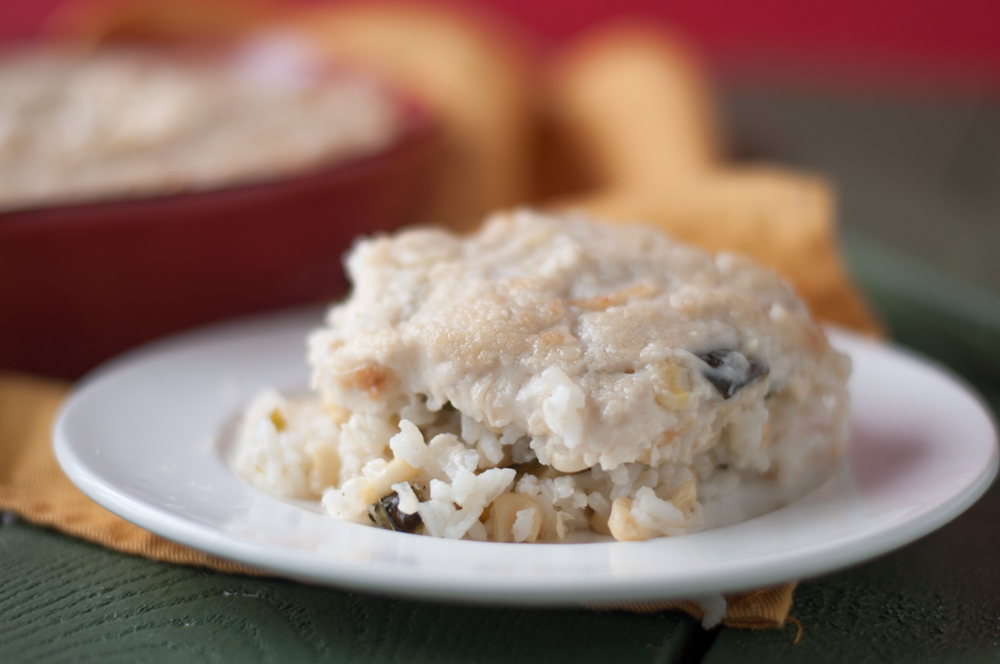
pixel 730 370
pixel 386 513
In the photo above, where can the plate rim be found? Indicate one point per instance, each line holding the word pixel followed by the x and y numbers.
pixel 299 566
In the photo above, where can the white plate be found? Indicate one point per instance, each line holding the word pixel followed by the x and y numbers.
pixel 140 438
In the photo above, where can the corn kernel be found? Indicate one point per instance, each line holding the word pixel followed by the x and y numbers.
pixel 622 524
pixel 503 513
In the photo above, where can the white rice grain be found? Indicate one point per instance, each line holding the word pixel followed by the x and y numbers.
pixel 523 524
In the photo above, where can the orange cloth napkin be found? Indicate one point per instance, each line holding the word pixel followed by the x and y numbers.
pixel 33 486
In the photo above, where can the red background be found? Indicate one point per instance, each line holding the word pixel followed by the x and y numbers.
pixel 957 40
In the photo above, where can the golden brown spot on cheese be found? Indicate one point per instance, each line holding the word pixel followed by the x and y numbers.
pixel 551 338
pixel 618 298
pixel 596 303
pixel 668 437
pixel 372 379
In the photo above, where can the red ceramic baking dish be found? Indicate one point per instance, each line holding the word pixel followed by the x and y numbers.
pixel 80 283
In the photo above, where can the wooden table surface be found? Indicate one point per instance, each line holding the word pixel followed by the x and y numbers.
pixel 920 183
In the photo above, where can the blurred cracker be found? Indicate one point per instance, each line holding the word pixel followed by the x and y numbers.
pixel 474 76
pixel 640 113
pixel 659 82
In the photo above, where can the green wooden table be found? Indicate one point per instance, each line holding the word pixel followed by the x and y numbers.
pixel 919 184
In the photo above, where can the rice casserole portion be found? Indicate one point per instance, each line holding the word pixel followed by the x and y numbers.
pixel 545 375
